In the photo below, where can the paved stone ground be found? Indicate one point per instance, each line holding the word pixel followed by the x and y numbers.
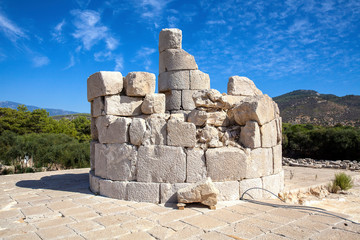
pixel 59 205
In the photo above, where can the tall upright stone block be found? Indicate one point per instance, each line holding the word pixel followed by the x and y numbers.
pixel 187 101
pixel 195 165
pixel 250 135
pixel 269 134
pixel 170 38
pixel 137 131
pixel 173 100
pixel 199 80
pixel 104 83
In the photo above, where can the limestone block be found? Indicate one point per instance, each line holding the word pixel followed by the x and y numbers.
pixel 168 191
pixel 104 83
pixel 138 84
pixel 94 131
pixel 246 184
pixel 143 192
pixel 173 100
pixel 210 136
pixel 113 189
pixel 113 129
pixel 203 191
pixel 250 135
pixel 279 129
pixel 100 160
pixel 156 133
pixel 226 164
pixel 197 117
pixel 176 59
pixel 242 86
pixel 181 133
pixel 260 163
pixel 187 101
pixel 123 105
pixel 92 154
pixel 153 103
pixel 269 134
pixel 217 119
pixel 277 158
pixel 258 108
pixel 234 100
pixel 199 80
pixel 228 191
pixel 170 38
pixel 210 98
pixel 195 165
pixel 120 161
pixel 94 182
pixel 272 183
pixel 97 107
pixel 173 80
pixel 159 163
pixel 179 115
pixel 137 131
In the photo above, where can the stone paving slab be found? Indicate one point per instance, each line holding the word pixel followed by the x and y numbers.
pixel 59 205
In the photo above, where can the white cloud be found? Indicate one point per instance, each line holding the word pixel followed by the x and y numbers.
pixel 83 3
pixel 212 22
pixel 89 30
pixel 57 31
pixel 172 21
pixel 10 29
pixel 102 56
pixel 144 55
pixel 71 63
pixel 2 56
pixel 40 61
pixel 119 63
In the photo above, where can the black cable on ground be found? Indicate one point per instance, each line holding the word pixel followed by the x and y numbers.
pixel 307 208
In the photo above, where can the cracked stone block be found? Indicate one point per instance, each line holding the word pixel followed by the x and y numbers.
pixel 187 101
pixel 138 84
pixel 120 162
pixel 199 80
pixel 154 103
pixel 170 38
pixel 250 135
pixel 97 107
pixel 173 100
pixel 113 189
pixel 156 133
pixel 277 157
pixel 104 83
pixel 181 133
pixel 174 80
pixel 197 117
pixel 137 131
pixel 112 129
pixel 242 86
pixel 269 134
pixel 161 164
pixel 246 184
pixel 196 165
pixel 123 105
pixel 176 59
pixel 217 119
pixel 228 191
pixel 143 192
pixel 168 191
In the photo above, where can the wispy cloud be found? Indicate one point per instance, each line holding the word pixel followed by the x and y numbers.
pixel 71 62
pixel 144 55
pixel 39 61
pixel 215 22
pixel 119 63
pixel 83 3
pixel 103 56
pixel 10 29
pixel 2 56
pixel 57 32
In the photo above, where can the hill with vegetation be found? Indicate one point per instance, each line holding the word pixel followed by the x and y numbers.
pixel 311 107
pixel 51 111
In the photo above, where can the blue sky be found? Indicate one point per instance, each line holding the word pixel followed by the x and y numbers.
pixel 48 48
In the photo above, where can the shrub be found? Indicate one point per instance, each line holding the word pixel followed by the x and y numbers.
pixel 342 181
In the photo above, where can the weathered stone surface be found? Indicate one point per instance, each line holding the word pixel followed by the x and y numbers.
pixel 173 80
pixel 250 135
pixel 269 134
pixel 143 192
pixel 181 133
pixel 94 131
pixel 176 59
pixel 92 154
pixel 279 129
pixel 199 80
pixel 113 189
pixel 258 108
pixel 121 161
pixel 277 158
pixel 210 98
pixel 97 107
pixel 104 83
pixel 260 163
pixel 137 131
pixel 138 84
pixel 168 191
pixel 161 164
pixel 203 191
pixel 100 160
pixel 195 165
pixel 173 100
pixel 94 182
pixel 246 184
pixel 170 38
pixel 210 136
pixel 113 129
pixel 123 105
pixel 228 191
pixel 234 100
pixel 242 86
pixel 156 132
pixel 226 164
pixel 197 117
pixel 217 119
pixel 187 101
pixel 273 183
pixel 153 103
pixel 179 115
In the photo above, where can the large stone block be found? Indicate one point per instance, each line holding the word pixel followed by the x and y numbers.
pixel 170 38
pixel 104 83
pixel 137 131
pixel 94 131
pixel 173 100
pixel 181 133
pixel 100 160
pixel 138 84
pixel 156 132
pixel 247 184
pixel 211 98
pixel 112 129
pixel 197 117
pixel 260 163
pixel 173 80
pixel 120 162
pixel 153 103
pixel 195 165
pixel 250 135
pixel 187 101
pixel 168 191
pixel 210 136
pixel 269 134
pixel 217 119
pixel 226 164
pixel 97 107
pixel 94 182
pixel 161 164
pixel 176 59
pixel 113 189
pixel 272 183
pixel 143 192
pixel 92 154
pixel 277 158
pixel 242 86
pixel 123 105
pixel 228 191
pixel 199 80
pixel 258 108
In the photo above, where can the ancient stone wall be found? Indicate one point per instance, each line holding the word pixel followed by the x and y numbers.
pixel 148 145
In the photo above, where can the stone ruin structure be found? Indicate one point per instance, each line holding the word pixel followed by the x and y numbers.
pixel 146 145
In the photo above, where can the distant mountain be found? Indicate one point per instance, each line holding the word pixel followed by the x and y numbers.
pixel 308 106
pixel 52 112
